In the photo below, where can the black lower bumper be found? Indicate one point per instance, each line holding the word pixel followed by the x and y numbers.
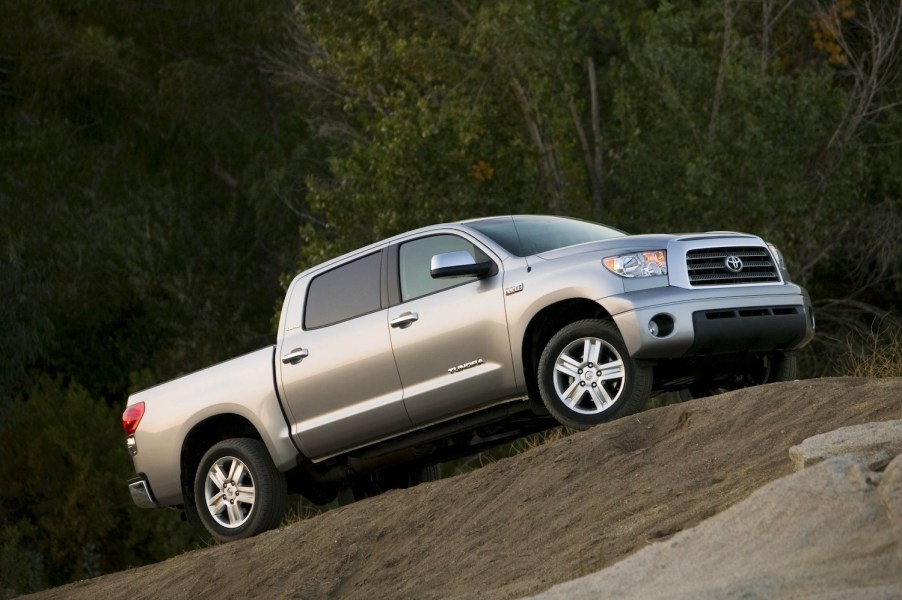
pixel 757 329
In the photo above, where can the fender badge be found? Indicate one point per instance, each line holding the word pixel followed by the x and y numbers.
pixel 467 365
pixel 513 290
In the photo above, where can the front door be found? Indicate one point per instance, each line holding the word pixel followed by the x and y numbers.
pixel 449 335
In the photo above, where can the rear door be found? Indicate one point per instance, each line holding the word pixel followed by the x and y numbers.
pixel 339 381
pixel 449 336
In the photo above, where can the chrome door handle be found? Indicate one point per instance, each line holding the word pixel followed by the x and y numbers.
pixel 404 320
pixel 294 356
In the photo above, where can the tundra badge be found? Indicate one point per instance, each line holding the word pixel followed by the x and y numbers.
pixel 467 365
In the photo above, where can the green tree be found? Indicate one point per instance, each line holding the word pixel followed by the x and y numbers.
pixel 144 157
pixel 441 111
pixel 144 154
pixel 652 116
pixel 66 512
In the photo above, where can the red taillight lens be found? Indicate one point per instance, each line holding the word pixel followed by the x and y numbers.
pixel 131 417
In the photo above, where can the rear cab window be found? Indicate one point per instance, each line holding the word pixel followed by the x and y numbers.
pixel 345 292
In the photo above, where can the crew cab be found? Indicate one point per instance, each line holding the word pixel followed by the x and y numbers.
pixel 444 341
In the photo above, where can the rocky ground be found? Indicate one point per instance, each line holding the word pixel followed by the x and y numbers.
pixel 630 492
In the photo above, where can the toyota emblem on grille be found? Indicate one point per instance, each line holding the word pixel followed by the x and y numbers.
pixel 733 264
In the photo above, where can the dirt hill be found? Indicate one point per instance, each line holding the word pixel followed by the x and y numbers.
pixel 520 525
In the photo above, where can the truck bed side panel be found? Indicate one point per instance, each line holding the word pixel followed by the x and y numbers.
pixel 242 386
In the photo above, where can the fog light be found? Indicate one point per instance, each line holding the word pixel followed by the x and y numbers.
pixel 653 328
pixel 661 325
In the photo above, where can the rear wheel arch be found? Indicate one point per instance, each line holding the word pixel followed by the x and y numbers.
pixel 202 437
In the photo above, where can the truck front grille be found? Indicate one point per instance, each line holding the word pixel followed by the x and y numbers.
pixel 731 266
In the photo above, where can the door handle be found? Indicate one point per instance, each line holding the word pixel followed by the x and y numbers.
pixel 295 356
pixel 404 320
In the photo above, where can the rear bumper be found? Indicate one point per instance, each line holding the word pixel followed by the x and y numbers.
pixel 141 493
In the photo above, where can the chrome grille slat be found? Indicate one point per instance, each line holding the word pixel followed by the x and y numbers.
pixel 706 266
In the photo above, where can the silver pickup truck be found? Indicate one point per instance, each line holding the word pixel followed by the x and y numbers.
pixel 450 339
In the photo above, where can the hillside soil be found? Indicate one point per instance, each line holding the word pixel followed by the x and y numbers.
pixel 522 524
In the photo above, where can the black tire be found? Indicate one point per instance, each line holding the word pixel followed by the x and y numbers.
pixel 783 367
pixel 761 369
pixel 586 376
pixel 430 473
pixel 238 491
pixel 403 477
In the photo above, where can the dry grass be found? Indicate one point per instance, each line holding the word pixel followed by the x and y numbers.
pixel 301 509
pixel 537 439
pixel 482 459
pixel 876 355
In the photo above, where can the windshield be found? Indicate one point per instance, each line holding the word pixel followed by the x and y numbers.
pixel 527 235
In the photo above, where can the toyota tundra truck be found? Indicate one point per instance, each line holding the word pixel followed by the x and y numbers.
pixel 444 341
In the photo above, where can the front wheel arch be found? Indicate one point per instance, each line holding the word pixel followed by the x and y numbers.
pixel 542 327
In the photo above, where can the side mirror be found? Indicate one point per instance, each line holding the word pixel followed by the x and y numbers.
pixel 458 264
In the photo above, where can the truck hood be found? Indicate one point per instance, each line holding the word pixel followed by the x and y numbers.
pixel 637 243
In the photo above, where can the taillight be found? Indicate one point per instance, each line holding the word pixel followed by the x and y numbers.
pixel 131 417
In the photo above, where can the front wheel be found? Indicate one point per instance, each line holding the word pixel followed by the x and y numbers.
pixel 238 490
pixel 586 376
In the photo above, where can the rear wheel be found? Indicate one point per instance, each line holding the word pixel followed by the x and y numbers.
pixel 238 491
pixel 586 376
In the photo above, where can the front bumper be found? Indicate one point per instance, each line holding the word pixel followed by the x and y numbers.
pixel 713 321
pixel 141 492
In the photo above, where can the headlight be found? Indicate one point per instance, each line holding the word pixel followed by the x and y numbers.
pixel 778 256
pixel 640 264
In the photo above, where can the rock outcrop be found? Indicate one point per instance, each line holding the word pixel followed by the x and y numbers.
pixel 874 443
pixel 832 530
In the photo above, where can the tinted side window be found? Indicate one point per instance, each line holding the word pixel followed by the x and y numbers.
pixel 415 260
pixel 345 292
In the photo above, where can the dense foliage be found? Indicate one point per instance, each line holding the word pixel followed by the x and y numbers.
pixel 163 164
pixel 143 157
pixel 778 118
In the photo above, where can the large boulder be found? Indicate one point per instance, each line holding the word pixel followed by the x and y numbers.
pixel 833 530
pixel 874 443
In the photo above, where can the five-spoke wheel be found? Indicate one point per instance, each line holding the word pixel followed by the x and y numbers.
pixel 586 376
pixel 238 490
pixel 229 492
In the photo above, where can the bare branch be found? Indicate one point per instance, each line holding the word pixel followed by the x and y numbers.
pixel 300 213
pixel 873 63
pixel 823 250
pixel 767 24
pixel 721 70
pixel 305 64
pixel 551 178
pixel 462 10
pixel 591 153
pixel 598 198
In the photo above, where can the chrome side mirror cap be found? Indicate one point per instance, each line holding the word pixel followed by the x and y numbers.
pixel 458 264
